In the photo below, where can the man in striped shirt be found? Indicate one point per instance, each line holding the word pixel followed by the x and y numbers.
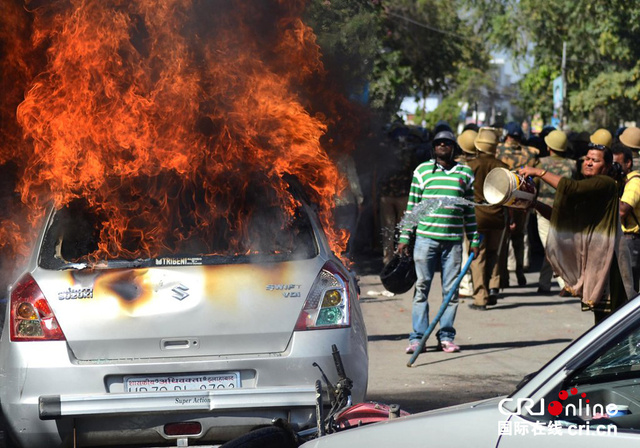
pixel 436 190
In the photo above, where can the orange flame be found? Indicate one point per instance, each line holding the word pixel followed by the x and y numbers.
pixel 145 108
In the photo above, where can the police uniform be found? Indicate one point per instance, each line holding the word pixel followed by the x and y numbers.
pixel 563 167
pixel 465 158
pixel 516 156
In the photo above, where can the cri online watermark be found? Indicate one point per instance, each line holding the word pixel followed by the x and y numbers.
pixel 565 413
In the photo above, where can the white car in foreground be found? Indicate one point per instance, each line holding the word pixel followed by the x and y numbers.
pixel 587 396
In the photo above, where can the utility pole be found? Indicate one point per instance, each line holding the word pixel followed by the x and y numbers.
pixel 562 117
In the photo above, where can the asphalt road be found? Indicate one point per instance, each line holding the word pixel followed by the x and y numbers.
pixel 499 346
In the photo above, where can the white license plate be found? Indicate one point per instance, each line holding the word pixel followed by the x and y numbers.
pixel 205 381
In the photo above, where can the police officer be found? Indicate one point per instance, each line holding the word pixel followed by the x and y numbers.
pixel 630 138
pixel 516 155
pixel 491 224
pixel 556 163
pixel 623 153
pixel 466 144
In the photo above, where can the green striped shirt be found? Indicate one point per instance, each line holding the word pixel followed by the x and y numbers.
pixel 449 222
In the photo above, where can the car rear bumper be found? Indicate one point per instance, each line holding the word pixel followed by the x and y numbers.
pixel 46 395
pixel 58 406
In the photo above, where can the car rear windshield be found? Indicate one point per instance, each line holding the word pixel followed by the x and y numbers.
pixel 74 237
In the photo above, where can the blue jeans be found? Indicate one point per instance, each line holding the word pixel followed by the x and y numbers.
pixel 426 253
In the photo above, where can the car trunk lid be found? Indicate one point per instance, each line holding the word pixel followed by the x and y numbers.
pixel 181 311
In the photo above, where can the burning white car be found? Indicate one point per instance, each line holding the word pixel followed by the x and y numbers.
pixel 190 346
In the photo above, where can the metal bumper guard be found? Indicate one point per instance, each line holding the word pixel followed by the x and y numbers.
pixel 53 407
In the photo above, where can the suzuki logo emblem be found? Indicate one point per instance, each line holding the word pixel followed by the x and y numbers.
pixel 180 292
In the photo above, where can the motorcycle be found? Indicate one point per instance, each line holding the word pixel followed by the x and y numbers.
pixel 342 414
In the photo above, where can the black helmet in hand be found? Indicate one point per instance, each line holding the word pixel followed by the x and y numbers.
pixel 399 275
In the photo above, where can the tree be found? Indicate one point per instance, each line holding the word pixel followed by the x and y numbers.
pixel 472 87
pixel 349 34
pixel 602 52
pixel 426 47
pixel 397 47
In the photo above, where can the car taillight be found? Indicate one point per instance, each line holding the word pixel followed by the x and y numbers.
pixel 183 429
pixel 327 305
pixel 31 316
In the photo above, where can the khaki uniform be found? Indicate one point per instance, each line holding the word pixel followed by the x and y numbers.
pixel 484 268
pixel 516 156
pixel 465 158
pixel 563 167
pixel 466 286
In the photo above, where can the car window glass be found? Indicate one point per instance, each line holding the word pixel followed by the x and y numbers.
pixel 606 391
pixel 621 359
pixel 75 235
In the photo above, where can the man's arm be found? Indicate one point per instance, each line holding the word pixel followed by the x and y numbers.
pixel 469 220
pixel 630 196
pixel 625 209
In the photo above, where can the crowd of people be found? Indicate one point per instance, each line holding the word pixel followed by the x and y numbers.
pixel 586 211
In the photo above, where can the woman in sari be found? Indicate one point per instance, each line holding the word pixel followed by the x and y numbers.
pixel 585 233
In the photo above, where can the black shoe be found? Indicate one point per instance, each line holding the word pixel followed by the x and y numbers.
pixel 494 292
pixel 544 291
pixel 522 280
pixel 473 306
pixel 492 300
